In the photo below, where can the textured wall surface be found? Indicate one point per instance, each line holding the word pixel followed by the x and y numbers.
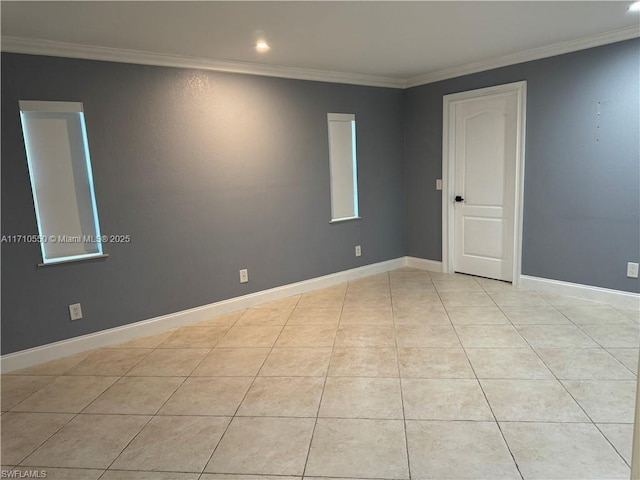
pixel 209 173
pixel 582 164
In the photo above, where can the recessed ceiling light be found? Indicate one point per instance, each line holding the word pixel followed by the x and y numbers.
pixel 262 46
pixel 634 7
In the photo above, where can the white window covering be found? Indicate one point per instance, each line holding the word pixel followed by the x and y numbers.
pixel 61 180
pixel 342 161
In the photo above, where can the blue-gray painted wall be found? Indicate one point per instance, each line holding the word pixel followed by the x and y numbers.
pixel 582 164
pixel 209 173
pixel 212 172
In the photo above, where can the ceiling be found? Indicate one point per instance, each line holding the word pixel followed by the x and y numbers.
pixel 397 41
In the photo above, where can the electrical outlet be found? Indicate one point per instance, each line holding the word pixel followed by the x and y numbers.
pixel 358 251
pixel 439 184
pixel 75 311
pixel 244 275
pixel 632 270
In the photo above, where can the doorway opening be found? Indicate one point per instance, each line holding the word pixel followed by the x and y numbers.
pixel 483 180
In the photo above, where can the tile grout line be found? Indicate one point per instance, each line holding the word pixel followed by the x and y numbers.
pixel 404 415
pixel 565 387
pixel 600 344
pixel 324 385
pixel 154 415
pixel 74 415
pixel 486 399
pixel 202 472
pixel 255 377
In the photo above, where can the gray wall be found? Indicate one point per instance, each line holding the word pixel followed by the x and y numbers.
pixel 208 173
pixel 211 172
pixel 582 172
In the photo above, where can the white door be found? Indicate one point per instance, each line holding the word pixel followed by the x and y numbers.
pixel 485 144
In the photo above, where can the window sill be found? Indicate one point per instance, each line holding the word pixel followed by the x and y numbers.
pixel 75 259
pixel 348 219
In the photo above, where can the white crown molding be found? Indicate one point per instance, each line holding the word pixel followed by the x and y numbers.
pixel 526 56
pixel 33 46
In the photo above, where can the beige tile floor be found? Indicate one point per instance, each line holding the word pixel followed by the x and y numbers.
pixel 401 375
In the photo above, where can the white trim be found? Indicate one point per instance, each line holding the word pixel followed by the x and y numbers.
pixel 424 264
pixel 346 219
pixel 448 170
pixel 615 298
pixel 35 46
pixel 52 351
pixel 46 106
pixel 518 223
pixel 341 117
pixel 342 165
pixel 526 56
pixel 63 348
pixel 635 446
pixel 74 259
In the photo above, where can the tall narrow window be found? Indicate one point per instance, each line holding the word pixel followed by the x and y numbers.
pixel 55 138
pixel 342 162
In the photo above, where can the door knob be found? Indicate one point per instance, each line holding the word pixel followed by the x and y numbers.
pixel 459 198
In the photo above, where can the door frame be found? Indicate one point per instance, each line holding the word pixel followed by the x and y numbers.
pixel 448 170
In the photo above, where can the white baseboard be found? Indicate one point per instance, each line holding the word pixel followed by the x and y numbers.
pixel 424 264
pixel 63 348
pixel 615 298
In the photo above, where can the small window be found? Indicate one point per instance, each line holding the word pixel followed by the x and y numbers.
pixel 342 162
pixel 55 138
